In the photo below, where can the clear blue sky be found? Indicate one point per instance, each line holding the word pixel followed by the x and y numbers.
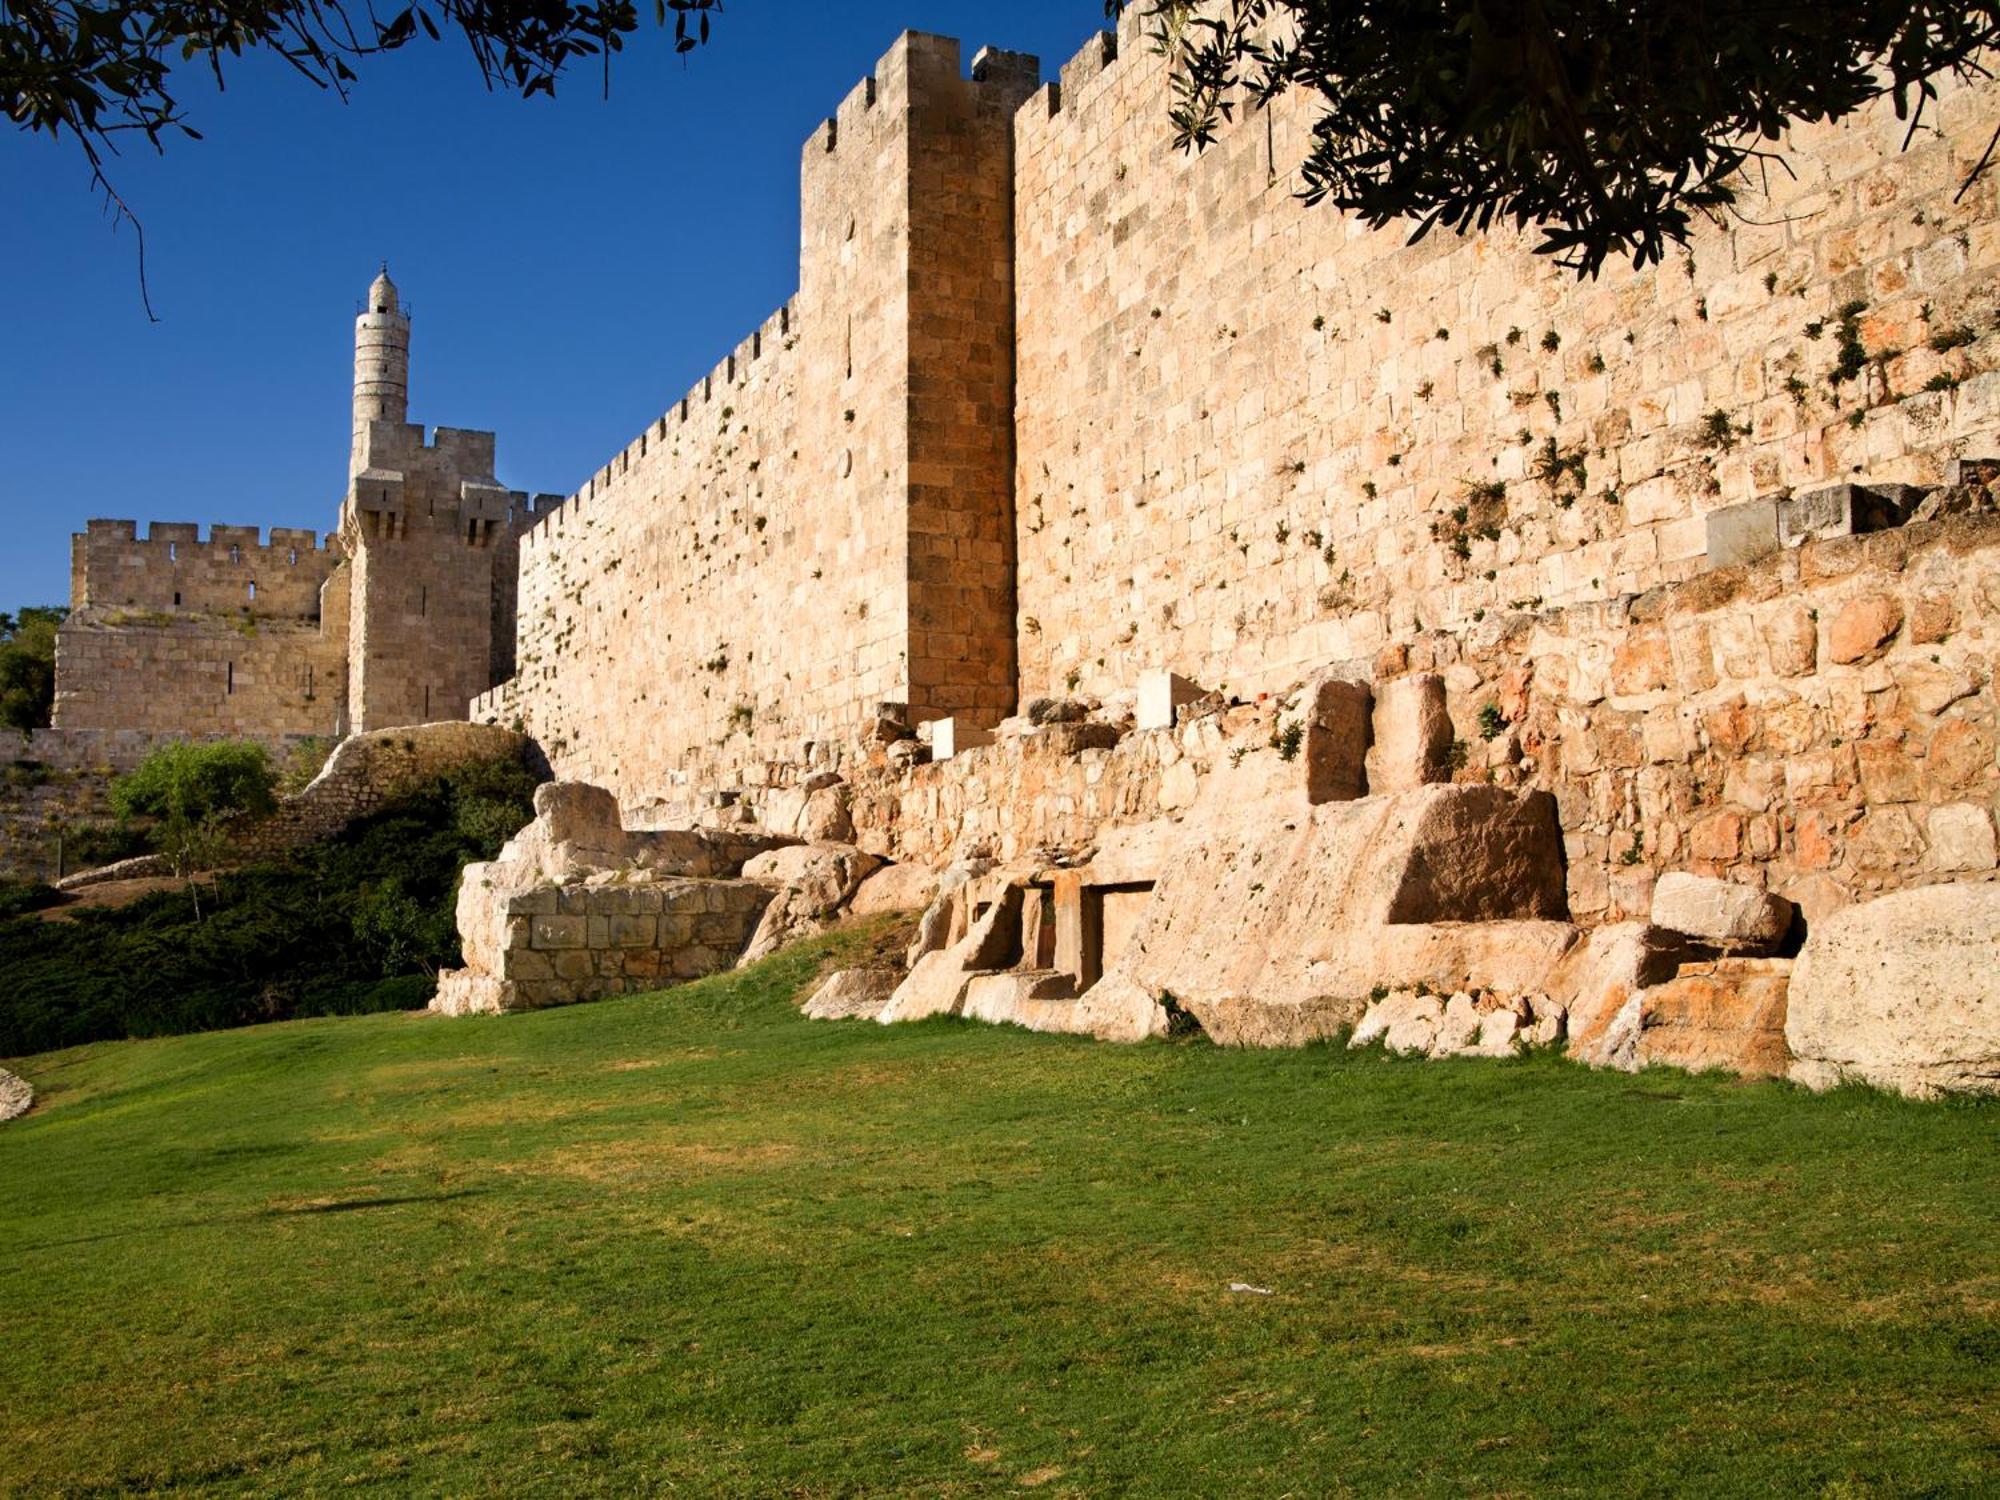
pixel 572 266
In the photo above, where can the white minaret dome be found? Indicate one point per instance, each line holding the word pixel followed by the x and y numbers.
pixel 381 364
pixel 382 293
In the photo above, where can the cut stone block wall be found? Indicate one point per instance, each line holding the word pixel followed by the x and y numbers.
pixel 579 941
pixel 823 524
pixel 200 677
pixel 1249 431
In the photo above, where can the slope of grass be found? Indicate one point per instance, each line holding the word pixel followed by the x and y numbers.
pixel 690 1243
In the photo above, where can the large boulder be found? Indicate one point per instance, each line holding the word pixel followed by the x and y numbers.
pixel 1599 981
pixel 1902 992
pixel 852 995
pixel 895 888
pixel 17 1096
pixel 1732 918
pixel 812 882
pixel 1729 1014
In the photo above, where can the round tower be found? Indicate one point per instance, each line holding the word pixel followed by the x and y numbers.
pixel 381 360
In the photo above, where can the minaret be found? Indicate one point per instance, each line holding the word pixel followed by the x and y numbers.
pixel 381 364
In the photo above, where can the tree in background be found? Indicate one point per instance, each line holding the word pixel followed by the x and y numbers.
pixel 1605 124
pixel 28 666
pixel 192 792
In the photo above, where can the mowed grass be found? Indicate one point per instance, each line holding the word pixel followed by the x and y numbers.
pixel 690 1243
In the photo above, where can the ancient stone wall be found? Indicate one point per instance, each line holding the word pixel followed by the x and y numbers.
pixel 198 677
pixel 1253 436
pixel 233 572
pixel 821 525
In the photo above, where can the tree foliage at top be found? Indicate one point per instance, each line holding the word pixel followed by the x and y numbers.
pixel 100 71
pixel 28 666
pixel 1604 124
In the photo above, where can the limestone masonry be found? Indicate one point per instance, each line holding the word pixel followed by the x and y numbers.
pixel 401 617
pixel 1242 616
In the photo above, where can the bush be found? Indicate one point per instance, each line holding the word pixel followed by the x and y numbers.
pixel 192 791
pixel 361 922
pixel 18 896
pixel 28 666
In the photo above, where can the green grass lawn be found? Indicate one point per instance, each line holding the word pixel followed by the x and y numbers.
pixel 689 1243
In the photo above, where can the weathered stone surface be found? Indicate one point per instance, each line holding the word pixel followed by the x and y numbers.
pixel 1599 980
pixel 1339 728
pixel 1403 1022
pixel 1732 918
pixel 1740 534
pixel 938 980
pixel 1278 905
pixel 17 1096
pixel 1902 992
pixel 811 883
pixel 1727 1014
pixel 852 994
pixel 895 888
pixel 1861 627
pixel 1412 734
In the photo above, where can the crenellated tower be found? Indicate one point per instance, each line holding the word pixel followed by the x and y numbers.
pixel 432 538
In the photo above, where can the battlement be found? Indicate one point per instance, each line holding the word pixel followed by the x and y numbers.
pixel 180 535
pixel 924 68
pixel 174 568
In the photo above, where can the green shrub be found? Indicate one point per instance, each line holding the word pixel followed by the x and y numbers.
pixel 361 922
pixel 191 791
pixel 18 896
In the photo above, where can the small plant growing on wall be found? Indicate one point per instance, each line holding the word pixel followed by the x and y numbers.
pixel 1287 741
pixel 1719 432
pixel 1492 723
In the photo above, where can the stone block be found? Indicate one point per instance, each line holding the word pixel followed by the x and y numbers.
pixel 1902 992
pixel 1742 534
pixel 1727 916
pixel 852 994
pixel 1339 731
pixel 561 932
pixel 1412 734
pixel 953 736
pixel 1862 627
pixel 634 931
pixel 1729 1014
pixel 1161 695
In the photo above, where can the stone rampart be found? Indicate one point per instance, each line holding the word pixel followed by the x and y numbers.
pixel 174 567
pixel 195 677
pixel 367 772
pixel 823 524
pixel 1253 437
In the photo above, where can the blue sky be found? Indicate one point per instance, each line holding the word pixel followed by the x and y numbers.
pixel 572 266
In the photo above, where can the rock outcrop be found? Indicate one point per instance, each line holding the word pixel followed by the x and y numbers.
pixel 17 1096
pixel 1902 992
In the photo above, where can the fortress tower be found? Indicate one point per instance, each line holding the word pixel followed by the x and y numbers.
pixel 431 539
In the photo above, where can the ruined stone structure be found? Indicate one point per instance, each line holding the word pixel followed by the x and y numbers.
pixel 402 617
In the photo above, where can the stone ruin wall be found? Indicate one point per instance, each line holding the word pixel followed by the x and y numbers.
pixel 822 524
pixel 1822 724
pixel 229 637
pixel 1248 429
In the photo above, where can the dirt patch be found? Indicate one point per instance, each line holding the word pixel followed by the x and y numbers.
pixel 113 894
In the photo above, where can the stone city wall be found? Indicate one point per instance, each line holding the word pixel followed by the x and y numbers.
pixel 1254 436
pixel 1821 723
pixel 822 524
pixel 174 568
pixel 200 677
